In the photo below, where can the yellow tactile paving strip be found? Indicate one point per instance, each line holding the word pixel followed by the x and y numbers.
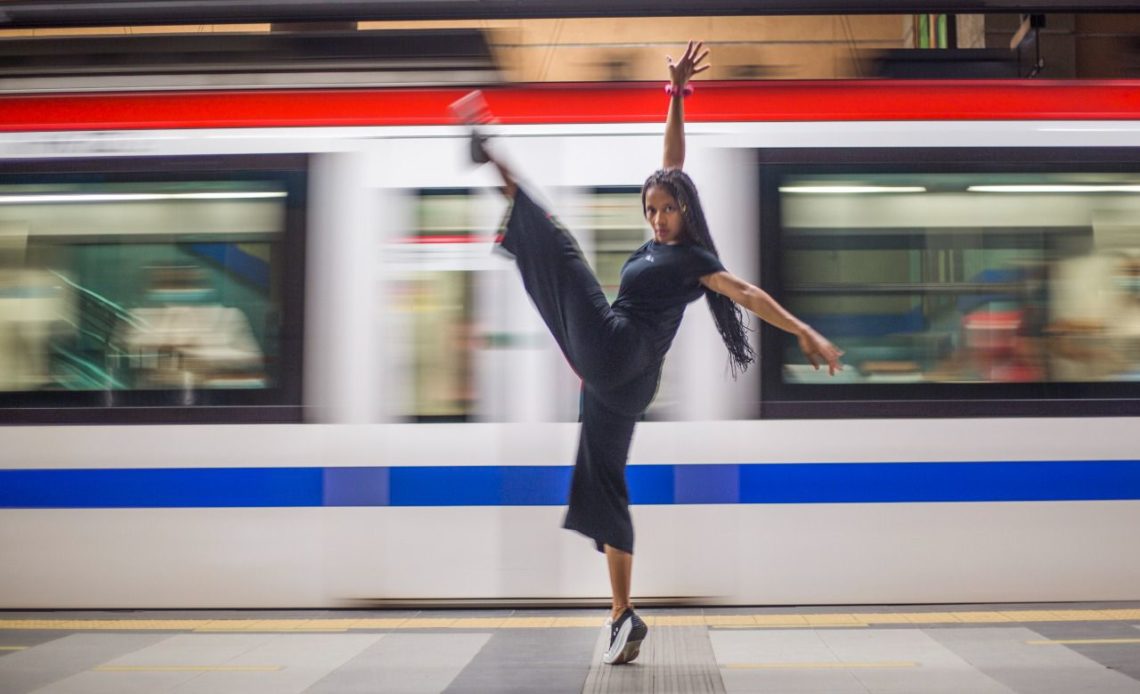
pixel 886 664
pixel 724 621
pixel 1067 642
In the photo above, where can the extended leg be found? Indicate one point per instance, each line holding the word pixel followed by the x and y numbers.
pixel 600 346
pixel 479 146
pixel 472 109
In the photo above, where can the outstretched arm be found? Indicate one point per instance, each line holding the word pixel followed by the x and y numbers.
pixel 679 75
pixel 815 346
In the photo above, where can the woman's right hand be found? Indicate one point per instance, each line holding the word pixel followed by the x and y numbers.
pixel 683 70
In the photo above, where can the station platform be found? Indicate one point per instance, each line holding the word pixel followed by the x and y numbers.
pixel 1032 648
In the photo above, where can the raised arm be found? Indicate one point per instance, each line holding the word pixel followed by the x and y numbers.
pixel 814 346
pixel 679 75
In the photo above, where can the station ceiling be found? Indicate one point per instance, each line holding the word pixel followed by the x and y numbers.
pixel 55 13
pixel 758 42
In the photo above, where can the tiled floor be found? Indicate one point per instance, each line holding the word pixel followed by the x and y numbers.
pixel 1042 649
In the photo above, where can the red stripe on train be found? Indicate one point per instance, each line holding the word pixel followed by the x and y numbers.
pixel 583 103
pixel 448 239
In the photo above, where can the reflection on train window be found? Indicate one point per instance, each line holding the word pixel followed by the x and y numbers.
pixel 437 299
pixel 128 286
pixel 965 278
pixel 459 342
pixel 614 216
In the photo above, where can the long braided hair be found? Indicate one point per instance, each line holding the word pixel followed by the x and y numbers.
pixel 727 315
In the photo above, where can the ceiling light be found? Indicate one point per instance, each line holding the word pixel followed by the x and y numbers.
pixel 1056 189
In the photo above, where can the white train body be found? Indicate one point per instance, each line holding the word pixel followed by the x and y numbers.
pixel 444 538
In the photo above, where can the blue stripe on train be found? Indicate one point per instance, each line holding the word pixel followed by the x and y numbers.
pixel 801 483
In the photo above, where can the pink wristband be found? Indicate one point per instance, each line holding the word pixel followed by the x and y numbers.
pixel 685 91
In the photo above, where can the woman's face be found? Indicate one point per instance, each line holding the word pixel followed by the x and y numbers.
pixel 664 216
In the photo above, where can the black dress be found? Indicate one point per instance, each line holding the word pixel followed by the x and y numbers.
pixel 616 350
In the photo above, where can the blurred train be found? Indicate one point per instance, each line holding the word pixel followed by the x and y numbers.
pixel 256 349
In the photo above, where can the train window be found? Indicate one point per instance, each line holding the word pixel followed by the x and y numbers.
pixel 150 290
pixel 461 347
pixel 436 298
pixel 614 216
pixel 613 219
pixel 959 282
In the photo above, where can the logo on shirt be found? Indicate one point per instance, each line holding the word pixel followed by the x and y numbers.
pixel 649 257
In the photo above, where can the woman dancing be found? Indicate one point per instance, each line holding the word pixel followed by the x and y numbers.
pixel 618 350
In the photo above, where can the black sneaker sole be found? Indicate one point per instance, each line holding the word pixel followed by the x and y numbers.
pixel 479 148
pixel 628 654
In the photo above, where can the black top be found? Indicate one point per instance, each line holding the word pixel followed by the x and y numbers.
pixel 657 282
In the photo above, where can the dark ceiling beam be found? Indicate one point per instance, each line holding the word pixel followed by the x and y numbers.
pixel 209 53
pixel 73 13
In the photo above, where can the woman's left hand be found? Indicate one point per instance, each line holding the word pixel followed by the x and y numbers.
pixel 690 64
